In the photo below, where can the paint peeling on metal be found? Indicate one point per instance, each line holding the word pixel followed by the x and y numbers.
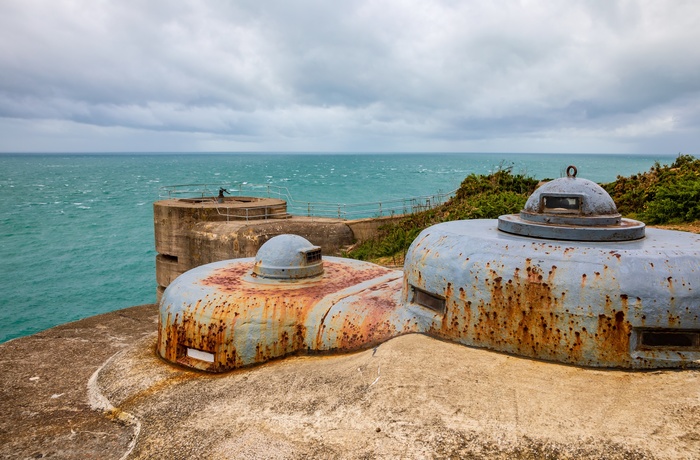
pixel 578 304
pixel 243 322
pixel 589 303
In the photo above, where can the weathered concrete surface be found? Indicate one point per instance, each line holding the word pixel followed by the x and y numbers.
pixel 411 397
pixel 43 380
pixel 366 229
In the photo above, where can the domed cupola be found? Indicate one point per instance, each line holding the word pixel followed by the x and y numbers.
pixel 571 209
pixel 288 257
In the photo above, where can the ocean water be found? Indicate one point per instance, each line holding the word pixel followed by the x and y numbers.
pixel 76 231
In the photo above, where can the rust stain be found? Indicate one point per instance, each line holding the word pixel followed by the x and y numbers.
pixel 527 310
pixel 336 276
pixel 613 332
pixel 527 314
pixel 283 309
pixel 367 324
pixel 519 315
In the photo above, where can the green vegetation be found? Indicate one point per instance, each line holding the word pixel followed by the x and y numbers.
pixel 478 197
pixel 664 195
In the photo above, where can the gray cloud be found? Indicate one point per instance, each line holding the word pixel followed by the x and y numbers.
pixel 356 75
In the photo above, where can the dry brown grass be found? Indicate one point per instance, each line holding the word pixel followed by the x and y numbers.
pixel 693 227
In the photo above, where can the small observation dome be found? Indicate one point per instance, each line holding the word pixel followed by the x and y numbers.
pixel 571 209
pixel 288 257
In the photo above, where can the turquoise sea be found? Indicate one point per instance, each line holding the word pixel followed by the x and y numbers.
pixel 76 231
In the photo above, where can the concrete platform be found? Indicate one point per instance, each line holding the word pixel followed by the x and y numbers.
pixel 411 397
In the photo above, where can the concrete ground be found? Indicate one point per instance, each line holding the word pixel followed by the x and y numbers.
pixel 43 387
pixel 411 397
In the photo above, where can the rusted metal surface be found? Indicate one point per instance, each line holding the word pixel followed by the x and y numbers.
pixel 580 303
pixel 219 309
pixel 625 300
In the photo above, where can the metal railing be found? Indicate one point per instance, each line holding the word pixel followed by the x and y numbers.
pixel 345 211
pixel 252 213
pixel 212 190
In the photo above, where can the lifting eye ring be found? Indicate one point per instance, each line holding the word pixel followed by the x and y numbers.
pixel 571 171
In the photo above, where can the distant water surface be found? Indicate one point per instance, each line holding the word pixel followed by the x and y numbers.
pixel 76 231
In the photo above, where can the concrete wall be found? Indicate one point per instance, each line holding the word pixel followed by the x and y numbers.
pixel 188 235
pixel 366 229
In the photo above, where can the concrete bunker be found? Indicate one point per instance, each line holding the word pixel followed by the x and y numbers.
pixel 566 280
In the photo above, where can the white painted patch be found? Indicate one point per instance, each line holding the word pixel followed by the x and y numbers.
pixel 200 355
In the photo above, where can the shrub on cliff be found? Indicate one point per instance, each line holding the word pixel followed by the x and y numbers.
pixel 664 194
pixel 478 197
pixel 502 180
pixel 674 203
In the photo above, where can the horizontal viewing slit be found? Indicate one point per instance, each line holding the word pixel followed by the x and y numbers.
pixel 670 339
pixel 428 300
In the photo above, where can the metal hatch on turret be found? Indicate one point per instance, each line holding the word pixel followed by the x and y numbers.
pixel 571 209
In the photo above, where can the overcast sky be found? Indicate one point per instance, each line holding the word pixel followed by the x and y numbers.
pixel 350 76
